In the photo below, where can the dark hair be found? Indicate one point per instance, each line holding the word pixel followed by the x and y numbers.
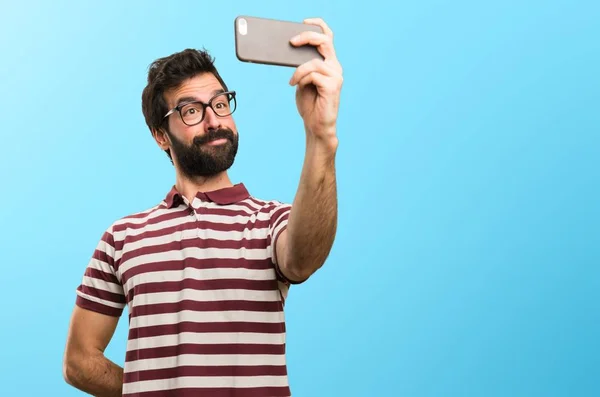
pixel 170 72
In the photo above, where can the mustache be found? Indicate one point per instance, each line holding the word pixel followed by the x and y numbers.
pixel 212 135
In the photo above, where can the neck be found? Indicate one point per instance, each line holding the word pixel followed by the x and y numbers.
pixel 189 186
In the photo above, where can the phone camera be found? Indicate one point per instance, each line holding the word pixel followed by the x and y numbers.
pixel 243 26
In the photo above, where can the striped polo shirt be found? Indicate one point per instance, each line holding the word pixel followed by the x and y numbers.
pixel 204 295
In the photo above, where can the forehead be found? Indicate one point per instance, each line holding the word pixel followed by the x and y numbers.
pixel 201 87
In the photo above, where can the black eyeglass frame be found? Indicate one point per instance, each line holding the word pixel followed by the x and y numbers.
pixel 205 106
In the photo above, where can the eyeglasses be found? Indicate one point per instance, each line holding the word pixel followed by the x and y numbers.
pixel 192 113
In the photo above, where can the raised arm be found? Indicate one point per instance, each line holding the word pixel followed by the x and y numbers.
pixel 304 246
pixel 85 366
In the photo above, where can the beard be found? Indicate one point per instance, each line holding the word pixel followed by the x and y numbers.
pixel 196 160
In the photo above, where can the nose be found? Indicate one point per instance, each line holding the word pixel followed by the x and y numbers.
pixel 211 120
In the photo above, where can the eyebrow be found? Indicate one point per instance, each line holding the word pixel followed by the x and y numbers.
pixel 187 99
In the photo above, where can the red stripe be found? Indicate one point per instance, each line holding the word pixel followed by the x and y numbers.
pixel 281 219
pixel 224 211
pixel 102 294
pixel 179 214
pixel 144 214
pixel 279 216
pixel 103 257
pixel 192 225
pixel 248 204
pixel 170 351
pixel 260 203
pixel 162 308
pixel 155 233
pixel 107 238
pixel 167 216
pixel 169 373
pixel 101 275
pixel 97 307
pixel 195 243
pixel 196 263
pixel 202 285
pixel 186 326
pixel 218 392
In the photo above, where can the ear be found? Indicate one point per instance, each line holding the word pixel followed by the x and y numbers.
pixel 162 138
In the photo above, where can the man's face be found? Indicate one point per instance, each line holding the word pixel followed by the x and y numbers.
pixel 207 148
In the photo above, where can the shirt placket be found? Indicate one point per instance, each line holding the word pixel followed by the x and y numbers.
pixel 197 210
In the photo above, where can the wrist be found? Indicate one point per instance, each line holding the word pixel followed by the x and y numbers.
pixel 324 140
pixel 325 146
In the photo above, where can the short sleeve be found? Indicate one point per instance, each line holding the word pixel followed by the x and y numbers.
pixel 278 221
pixel 100 290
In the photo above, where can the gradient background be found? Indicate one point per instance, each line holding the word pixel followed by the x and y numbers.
pixel 468 256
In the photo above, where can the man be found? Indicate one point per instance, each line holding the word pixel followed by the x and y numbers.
pixel 205 273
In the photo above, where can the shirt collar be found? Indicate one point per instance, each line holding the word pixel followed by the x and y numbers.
pixel 224 196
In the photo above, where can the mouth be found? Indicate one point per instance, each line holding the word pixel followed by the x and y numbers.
pixel 217 142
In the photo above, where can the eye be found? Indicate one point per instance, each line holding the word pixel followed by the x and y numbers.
pixel 221 103
pixel 191 109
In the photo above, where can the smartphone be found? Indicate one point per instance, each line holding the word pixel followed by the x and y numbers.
pixel 267 41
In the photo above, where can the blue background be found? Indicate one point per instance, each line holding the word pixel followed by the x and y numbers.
pixel 468 254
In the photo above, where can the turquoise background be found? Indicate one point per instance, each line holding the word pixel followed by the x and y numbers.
pixel 468 256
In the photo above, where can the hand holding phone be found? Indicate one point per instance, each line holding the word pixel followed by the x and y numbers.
pixel 318 75
pixel 267 41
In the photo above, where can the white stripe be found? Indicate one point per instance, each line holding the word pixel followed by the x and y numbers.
pixel 222 219
pixel 272 248
pixel 120 235
pixel 191 233
pixel 100 301
pixel 106 248
pixel 284 289
pixel 103 266
pixel 100 265
pixel 195 252
pixel 205 360
pixel 209 205
pixel 200 274
pixel 204 274
pixel 150 213
pixel 205 296
pixel 279 227
pixel 214 338
pixel 102 284
pixel 267 203
pixel 154 212
pixel 253 204
pixel 235 207
pixel 179 221
pixel 205 381
pixel 235 219
pixel 205 317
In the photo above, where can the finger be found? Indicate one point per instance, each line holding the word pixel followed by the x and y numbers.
pixel 323 83
pixel 323 43
pixel 316 65
pixel 320 22
pixel 315 78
